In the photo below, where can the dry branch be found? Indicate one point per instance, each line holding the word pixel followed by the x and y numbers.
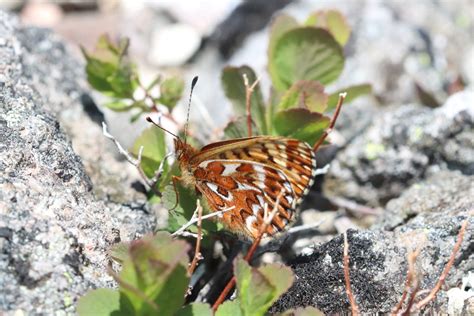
pixel 347 278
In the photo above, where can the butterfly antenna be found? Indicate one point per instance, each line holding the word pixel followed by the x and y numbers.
pixel 193 84
pixel 149 119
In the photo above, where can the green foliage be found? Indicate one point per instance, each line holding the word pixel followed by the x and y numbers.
pixel 305 53
pixel 257 288
pixel 334 22
pixel 99 302
pixel 234 88
pixel 196 309
pixel 149 267
pixel 110 71
pixel 171 91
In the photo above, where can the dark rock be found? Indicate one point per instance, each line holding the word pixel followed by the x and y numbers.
pixel 55 232
pixel 378 262
pixel 401 146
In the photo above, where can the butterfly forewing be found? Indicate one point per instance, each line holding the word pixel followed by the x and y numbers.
pixel 249 174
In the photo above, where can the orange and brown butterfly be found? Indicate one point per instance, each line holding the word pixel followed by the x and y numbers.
pixel 249 175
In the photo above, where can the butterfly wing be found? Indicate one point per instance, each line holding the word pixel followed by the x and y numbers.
pixel 249 174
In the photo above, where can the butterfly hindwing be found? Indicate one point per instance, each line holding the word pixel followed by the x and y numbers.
pixel 249 175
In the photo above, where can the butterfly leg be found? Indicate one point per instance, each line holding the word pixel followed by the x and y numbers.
pixel 176 179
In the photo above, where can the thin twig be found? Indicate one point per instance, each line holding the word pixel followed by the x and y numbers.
pixel 136 162
pixel 353 206
pixel 448 266
pixel 347 278
pixel 415 286
pixel 266 222
pixel 197 250
pixel 194 219
pixel 248 95
pixel 411 273
pixel 328 130
pixel 299 228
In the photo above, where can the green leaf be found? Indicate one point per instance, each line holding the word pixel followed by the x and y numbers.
pixel 171 91
pixel 180 214
pixel 154 263
pixel 99 302
pixel 301 124
pixel 305 53
pixel 259 288
pixel 305 94
pixel 334 22
pixel 109 70
pixel 237 128
pixel 154 150
pixel 118 105
pixel 195 309
pixel 280 25
pixel 229 308
pixel 303 311
pixel 119 251
pixel 154 82
pixel 234 89
pixel 353 92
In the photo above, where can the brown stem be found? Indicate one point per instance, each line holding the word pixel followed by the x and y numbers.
pixel 347 278
pixel 197 251
pixel 448 266
pixel 267 221
pixel 411 274
pixel 328 130
pixel 248 95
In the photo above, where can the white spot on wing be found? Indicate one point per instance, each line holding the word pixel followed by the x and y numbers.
pixel 213 188
pixel 260 173
pixel 260 200
pixel 255 209
pixel 249 221
pixel 230 169
pixel 245 186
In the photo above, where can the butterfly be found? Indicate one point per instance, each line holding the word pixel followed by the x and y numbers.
pixel 249 175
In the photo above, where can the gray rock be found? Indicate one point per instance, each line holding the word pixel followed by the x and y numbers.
pixel 378 257
pixel 401 147
pixel 54 232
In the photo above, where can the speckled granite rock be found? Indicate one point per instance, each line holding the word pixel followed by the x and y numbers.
pixel 401 146
pixel 53 231
pixel 378 257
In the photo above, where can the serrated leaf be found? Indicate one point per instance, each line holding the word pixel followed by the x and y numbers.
pixel 259 288
pixel 154 263
pixel 353 92
pixel 196 309
pixel 99 302
pixel 171 91
pixel 305 53
pixel 154 150
pixel 234 89
pixel 301 124
pixel 303 311
pixel 181 213
pixel 279 26
pixel 229 308
pixel 333 21
pixel 305 94
pixel 237 128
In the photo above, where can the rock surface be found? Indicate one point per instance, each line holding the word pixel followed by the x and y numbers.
pixel 54 232
pixel 378 257
pixel 401 146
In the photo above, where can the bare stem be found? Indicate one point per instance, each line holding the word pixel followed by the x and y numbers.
pixel 248 95
pixel 136 162
pixel 347 278
pixel 266 222
pixel 197 250
pixel 448 266
pixel 194 219
pixel 411 274
pixel 328 130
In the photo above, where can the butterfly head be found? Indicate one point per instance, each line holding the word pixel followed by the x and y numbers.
pixel 183 151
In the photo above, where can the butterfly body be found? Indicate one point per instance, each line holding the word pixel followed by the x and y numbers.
pixel 248 175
